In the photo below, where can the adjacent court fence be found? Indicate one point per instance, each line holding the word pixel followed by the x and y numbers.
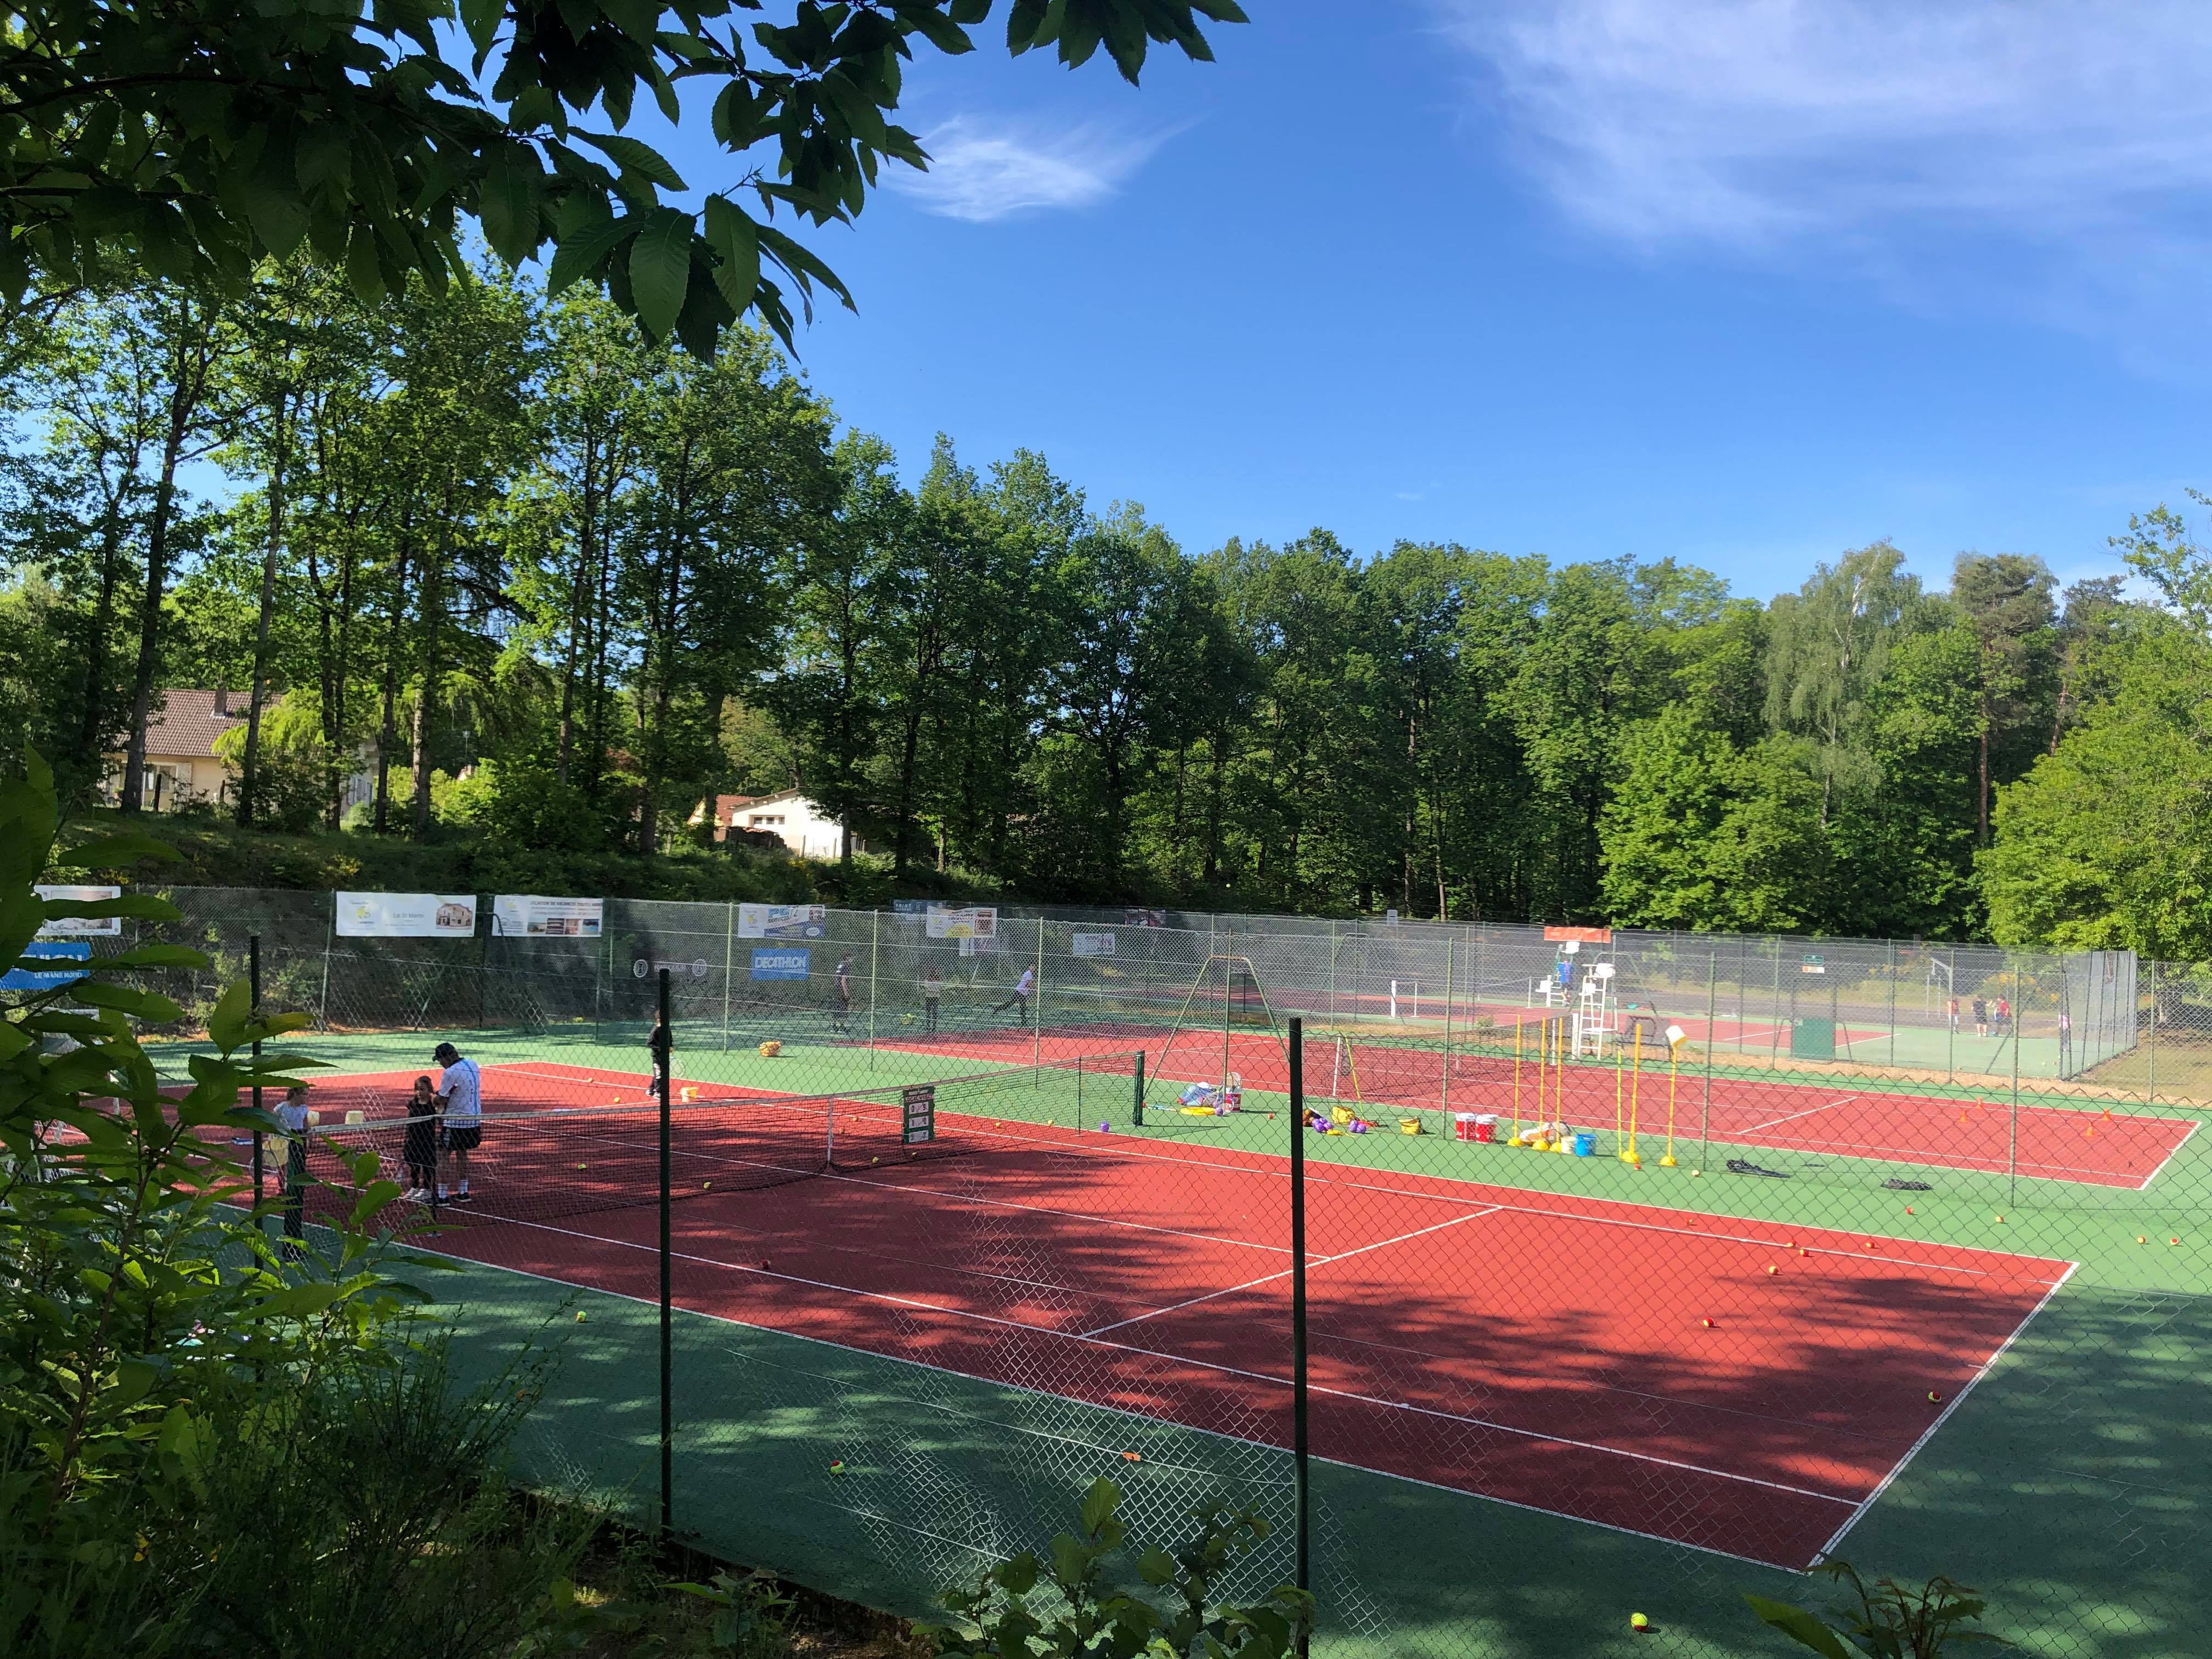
pixel 1622 1299
pixel 1957 1013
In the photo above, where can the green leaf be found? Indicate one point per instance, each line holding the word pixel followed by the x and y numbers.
pixel 1099 1503
pixel 226 1020
pixel 632 156
pixel 1019 1574
pixel 1800 1626
pixel 581 255
pixel 660 269
pixel 1156 1567
pixel 113 852
pixel 155 956
pixel 733 236
pixel 507 202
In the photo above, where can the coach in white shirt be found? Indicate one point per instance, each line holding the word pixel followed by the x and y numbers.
pixel 460 1096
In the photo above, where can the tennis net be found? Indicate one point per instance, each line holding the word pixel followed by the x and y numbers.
pixel 547 1165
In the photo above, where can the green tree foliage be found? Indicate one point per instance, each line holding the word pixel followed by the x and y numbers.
pixel 2106 843
pixel 513 571
pixel 192 144
pixel 1705 834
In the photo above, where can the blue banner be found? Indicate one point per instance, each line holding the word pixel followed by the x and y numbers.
pixel 784 963
pixel 55 950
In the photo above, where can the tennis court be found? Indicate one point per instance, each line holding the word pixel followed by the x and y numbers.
pixel 2086 1142
pixel 1151 1276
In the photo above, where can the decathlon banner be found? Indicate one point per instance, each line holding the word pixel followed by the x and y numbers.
pixel 406 915
pixel 781 920
pixel 786 963
pixel 533 915
pixel 973 923
pixel 110 926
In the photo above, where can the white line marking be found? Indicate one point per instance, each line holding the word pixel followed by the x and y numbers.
pixel 1314 1262
pixel 2170 1157
pixel 1793 1117
pixel 1942 1418
pixel 1212 1434
pixel 1186 1359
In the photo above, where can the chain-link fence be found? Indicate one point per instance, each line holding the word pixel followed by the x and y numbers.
pixel 1629 1291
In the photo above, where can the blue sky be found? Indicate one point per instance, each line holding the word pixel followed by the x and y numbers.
pixel 1741 282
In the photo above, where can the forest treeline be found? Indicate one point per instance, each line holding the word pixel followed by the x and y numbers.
pixel 545 582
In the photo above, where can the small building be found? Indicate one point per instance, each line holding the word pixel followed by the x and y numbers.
pixel 792 818
pixel 181 767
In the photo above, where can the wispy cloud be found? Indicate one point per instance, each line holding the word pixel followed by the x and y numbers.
pixel 980 170
pixel 1766 123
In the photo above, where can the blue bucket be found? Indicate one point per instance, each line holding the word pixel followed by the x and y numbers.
pixel 1585 1145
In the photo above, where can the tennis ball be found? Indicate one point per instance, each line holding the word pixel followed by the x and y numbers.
pixel 583 1166
pixel 1772 1268
pixel 836 1466
pixel 706 1186
pixel 2140 1239
pixel 1932 1395
pixel 579 1319
pixel 1637 1621
pixel 1707 1323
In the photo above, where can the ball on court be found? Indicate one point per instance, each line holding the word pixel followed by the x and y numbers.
pixel 1932 1395
pixel 706 1186
pixel 2140 1239
pixel 1637 1621
pixel 583 1166
pixel 1772 1268
pixel 579 1319
pixel 836 1466
pixel 1707 1323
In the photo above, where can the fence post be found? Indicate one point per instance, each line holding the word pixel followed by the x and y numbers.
pixel 1705 1111
pixel 1950 1018
pixel 1037 1013
pixel 1891 948
pixel 1137 1105
pixel 875 953
pixel 2012 1129
pixel 1299 1443
pixel 729 966
pixel 1448 1026
pixel 2150 1059
pixel 664 1042
pixel 254 987
pixel 330 942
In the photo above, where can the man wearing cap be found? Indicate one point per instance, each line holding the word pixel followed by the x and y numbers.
pixel 461 1103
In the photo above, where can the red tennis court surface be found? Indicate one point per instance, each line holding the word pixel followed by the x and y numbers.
pixel 1543 1351
pixel 2042 1142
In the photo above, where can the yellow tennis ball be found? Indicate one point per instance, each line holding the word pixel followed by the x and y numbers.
pixel 1637 1621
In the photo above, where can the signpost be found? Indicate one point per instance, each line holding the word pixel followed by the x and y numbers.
pixel 919 1106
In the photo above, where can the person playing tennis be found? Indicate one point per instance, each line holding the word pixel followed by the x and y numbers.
pixel 460 1101
pixel 418 1147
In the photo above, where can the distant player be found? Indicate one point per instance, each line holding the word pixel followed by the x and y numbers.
pixel 461 1102
pixel 293 1187
pixel 932 989
pixel 418 1147
pixel 841 1005
pixel 1023 991
pixel 1981 1017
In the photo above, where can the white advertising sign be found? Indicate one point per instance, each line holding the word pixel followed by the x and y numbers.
pixel 974 923
pixel 533 915
pixel 110 926
pixel 781 920
pixel 406 915
pixel 1093 944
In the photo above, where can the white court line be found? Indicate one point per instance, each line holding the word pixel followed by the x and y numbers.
pixel 1211 1434
pixel 1270 1279
pixel 1182 1359
pixel 1792 1117
pixel 2194 1126
pixel 1942 1416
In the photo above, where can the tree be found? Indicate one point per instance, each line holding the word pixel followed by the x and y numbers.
pixel 2006 599
pixel 192 144
pixel 2105 843
pixel 1704 835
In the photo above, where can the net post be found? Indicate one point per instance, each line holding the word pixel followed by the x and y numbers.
pixel 1137 1105
pixel 253 987
pixel 1298 1439
pixel 2012 1130
pixel 663 1042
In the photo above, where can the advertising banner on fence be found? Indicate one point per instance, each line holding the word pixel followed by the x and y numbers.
pixel 533 915
pixel 781 920
pixel 79 925
pixel 1579 935
pixel 45 979
pixel 1093 944
pixel 782 964
pixel 406 915
pixel 1136 917
pixel 945 922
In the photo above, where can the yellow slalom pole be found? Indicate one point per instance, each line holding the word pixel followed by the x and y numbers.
pixel 1516 1080
pixel 1631 1156
pixel 1619 1061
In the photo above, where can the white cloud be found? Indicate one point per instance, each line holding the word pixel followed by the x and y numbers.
pixel 1763 124
pixel 983 170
